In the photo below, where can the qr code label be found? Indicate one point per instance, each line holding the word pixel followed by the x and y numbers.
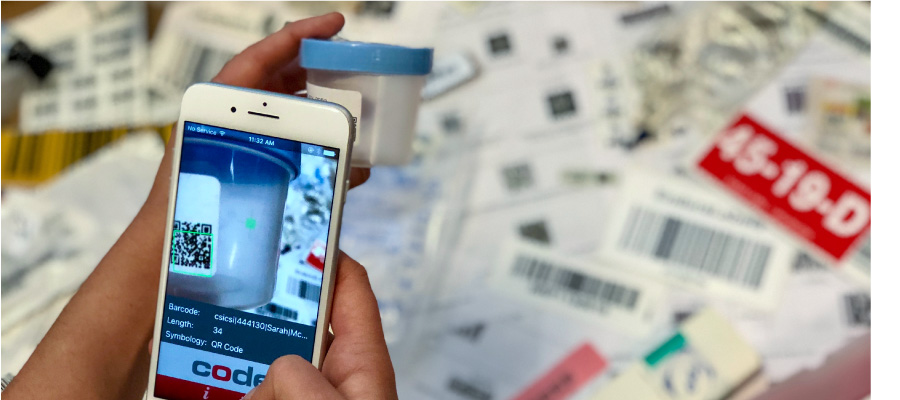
pixel 518 177
pixel 500 45
pixel 192 247
pixel 195 228
pixel 562 105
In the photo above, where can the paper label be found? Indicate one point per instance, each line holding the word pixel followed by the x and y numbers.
pixel 350 99
pixel 680 372
pixel 808 198
pixel 96 82
pixel 689 365
pixel 565 378
pixel 671 229
pixel 537 274
pixel 196 226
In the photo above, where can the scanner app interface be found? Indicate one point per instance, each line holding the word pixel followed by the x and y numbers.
pixel 252 214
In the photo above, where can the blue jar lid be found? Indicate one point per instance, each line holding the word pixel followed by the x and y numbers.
pixel 371 58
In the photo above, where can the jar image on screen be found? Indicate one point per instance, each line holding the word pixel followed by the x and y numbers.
pixel 229 211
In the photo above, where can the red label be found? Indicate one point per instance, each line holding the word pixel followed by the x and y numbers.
pixel 566 377
pixel 803 195
pixel 171 388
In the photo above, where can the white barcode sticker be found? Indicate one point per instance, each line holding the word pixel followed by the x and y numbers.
pixel 196 226
pixel 364 146
pixel 589 290
pixel 298 290
pixel 674 230
pixel 194 40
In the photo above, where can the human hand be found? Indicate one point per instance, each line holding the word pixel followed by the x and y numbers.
pixel 270 64
pixel 357 364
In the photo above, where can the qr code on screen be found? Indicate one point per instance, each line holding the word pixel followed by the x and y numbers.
pixel 192 245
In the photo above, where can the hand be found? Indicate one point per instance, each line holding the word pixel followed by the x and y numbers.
pixel 100 354
pixel 357 364
pixel 273 64
pixel 270 64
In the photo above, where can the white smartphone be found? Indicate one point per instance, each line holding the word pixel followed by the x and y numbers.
pixel 257 188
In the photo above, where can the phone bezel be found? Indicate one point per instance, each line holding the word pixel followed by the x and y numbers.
pixel 299 119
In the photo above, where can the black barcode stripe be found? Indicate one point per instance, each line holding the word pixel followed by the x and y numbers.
pixel 6 380
pixel 303 289
pixel 278 311
pixel 548 276
pixel 698 247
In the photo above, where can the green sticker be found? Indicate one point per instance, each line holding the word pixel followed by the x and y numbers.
pixel 670 346
pixel 250 223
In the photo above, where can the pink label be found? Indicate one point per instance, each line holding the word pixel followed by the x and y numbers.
pixel 564 379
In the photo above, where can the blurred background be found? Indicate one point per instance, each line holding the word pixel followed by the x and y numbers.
pixel 553 235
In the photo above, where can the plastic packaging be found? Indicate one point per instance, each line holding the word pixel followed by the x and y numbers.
pixel 379 84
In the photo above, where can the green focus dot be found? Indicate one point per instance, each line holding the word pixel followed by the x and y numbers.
pixel 251 223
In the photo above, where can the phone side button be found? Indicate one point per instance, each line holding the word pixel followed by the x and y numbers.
pixel 346 187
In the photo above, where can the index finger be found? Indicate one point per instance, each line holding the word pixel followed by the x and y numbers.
pixel 357 363
pixel 253 66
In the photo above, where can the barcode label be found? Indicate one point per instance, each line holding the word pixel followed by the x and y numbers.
pixel 591 291
pixel 694 246
pixel 576 288
pixel 671 229
pixel 303 289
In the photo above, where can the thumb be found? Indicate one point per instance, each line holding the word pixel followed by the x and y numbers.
pixel 292 377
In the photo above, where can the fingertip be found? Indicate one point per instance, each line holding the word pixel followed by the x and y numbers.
pixel 249 394
pixel 332 22
pixel 358 176
pixel 289 363
pixel 338 15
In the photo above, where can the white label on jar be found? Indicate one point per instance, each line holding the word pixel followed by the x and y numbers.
pixel 196 226
pixel 350 99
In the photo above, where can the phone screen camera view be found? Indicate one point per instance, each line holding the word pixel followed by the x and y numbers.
pixel 252 214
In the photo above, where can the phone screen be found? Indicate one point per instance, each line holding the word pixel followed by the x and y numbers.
pixel 252 214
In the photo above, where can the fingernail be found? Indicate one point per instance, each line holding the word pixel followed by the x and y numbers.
pixel 249 394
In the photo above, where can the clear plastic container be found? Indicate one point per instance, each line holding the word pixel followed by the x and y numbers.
pixel 379 84
pixel 236 195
